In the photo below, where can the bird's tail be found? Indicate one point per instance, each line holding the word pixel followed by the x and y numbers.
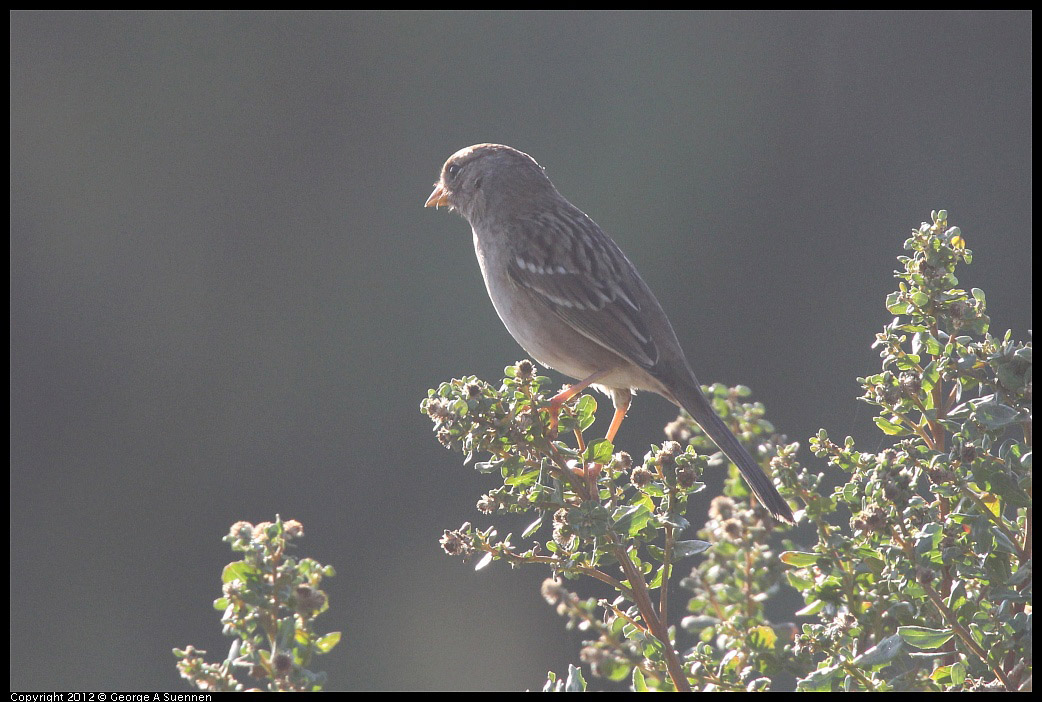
pixel 696 404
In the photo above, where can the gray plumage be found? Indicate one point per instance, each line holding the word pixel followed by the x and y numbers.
pixel 571 298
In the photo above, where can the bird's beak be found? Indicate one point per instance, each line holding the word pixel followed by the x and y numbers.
pixel 439 197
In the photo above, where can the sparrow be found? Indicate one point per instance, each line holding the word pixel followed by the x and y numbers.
pixel 570 297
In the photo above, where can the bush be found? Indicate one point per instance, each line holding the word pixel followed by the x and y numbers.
pixel 920 576
pixel 270 602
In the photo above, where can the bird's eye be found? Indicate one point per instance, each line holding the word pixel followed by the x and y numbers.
pixel 453 170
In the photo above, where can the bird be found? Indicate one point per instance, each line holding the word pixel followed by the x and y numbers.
pixel 571 298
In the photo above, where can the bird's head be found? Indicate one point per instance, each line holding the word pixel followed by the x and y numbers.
pixel 484 175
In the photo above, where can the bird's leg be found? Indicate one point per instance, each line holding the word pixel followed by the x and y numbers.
pixel 621 399
pixel 558 400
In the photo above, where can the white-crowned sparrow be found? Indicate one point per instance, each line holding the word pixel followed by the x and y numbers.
pixel 572 299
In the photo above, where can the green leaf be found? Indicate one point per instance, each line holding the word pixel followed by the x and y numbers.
pixel 763 636
pixel 800 559
pixel 800 579
pixel 599 451
pixel 586 412
pixel 523 480
pixel 630 520
pixel 485 560
pixel 656 582
pixel 889 427
pixel 638 680
pixel 894 304
pixel 673 520
pixel 1006 487
pixel 880 654
pixel 924 638
pixel 930 378
pixel 614 669
pixel 240 570
pixel 931 344
pixel 811 609
pixel 575 681
pixel 1002 541
pixel 286 631
pixel 532 528
pixel 685 549
pixel 995 415
pixel 818 681
pixel 328 642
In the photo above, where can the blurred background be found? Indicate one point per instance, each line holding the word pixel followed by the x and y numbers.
pixel 227 299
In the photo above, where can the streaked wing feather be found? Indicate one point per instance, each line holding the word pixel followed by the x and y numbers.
pixel 582 276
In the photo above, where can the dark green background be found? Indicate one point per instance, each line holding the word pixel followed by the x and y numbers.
pixel 227 299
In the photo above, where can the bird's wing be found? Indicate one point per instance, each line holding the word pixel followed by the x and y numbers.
pixel 578 272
